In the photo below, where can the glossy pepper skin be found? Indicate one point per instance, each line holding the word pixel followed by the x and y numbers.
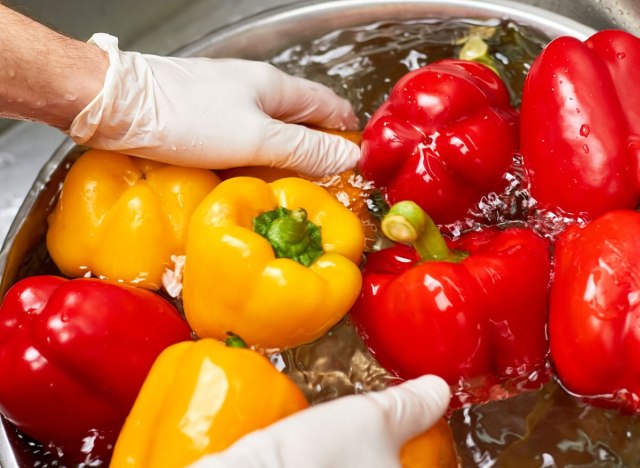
pixel 593 317
pixel 121 218
pixel 476 308
pixel 199 398
pixel 580 124
pixel 443 139
pixel 76 352
pixel 234 282
pixel 434 448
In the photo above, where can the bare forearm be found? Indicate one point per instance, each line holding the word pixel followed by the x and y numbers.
pixel 45 76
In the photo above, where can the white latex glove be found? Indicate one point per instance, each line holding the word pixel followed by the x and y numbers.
pixel 215 113
pixel 358 431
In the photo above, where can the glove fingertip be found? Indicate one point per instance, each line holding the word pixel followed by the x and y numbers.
pixel 311 103
pixel 342 115
pixel 434 389
pixel 344 155
pixel 324 154
pixel 350 120
pixel 413 406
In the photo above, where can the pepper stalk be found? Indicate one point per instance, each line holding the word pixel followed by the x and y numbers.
pixel 406 222
pixel 290 234
pixel 477 50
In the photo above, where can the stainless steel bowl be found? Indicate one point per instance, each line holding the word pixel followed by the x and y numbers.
pixel 258 37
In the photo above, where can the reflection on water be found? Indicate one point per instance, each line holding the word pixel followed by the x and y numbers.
pixel 546 428
pixel 363 63
pixel 337 364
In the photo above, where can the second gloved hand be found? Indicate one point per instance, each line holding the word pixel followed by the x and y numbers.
pixel 358 431
pixel 215 113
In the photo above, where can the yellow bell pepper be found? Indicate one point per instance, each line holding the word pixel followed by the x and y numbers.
pixel 278 291
pixel 199 398
pixel 434 448
pixel 122 218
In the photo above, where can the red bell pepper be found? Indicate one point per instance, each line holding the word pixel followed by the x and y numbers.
pixel 580 124
pixel 475 307
pixel 74 354
pixel 594 319
pixel 443 139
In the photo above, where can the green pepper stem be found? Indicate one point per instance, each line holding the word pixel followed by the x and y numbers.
pixel 406 222
pixel 290 234
pixel 291 228
pixel 476 49
pixel 234 341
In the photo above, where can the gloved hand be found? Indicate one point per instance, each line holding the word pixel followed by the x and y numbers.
pixel 358 431
pixel 215 113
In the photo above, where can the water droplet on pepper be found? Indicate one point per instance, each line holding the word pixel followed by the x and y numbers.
pixel 585 130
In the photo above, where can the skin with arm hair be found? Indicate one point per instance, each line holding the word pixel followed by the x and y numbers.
pixel 45 76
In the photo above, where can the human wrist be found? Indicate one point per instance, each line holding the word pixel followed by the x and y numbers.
pixel 81 77
pixel 45 76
